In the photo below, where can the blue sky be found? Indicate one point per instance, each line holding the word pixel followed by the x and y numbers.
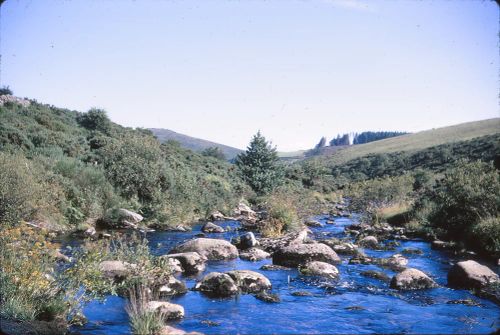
pixel 221 70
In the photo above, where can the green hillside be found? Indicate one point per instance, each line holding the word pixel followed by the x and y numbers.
pixel 416 141
pixel 193 143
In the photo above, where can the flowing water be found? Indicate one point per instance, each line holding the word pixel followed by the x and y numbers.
pixel 353 304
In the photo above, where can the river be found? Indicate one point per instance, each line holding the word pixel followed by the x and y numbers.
pixel 353 304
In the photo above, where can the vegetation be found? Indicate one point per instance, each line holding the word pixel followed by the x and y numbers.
pixel 143 320
pixel 214 152
pixel 259 165
pixel 5 90
pixel 370 136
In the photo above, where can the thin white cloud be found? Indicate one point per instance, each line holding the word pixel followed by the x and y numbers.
pixel 351 4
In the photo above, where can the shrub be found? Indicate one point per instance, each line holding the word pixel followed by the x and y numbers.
pixel 466 195
pixel 486 235
pixel 95 119
pixel 5 90
pixel 214 152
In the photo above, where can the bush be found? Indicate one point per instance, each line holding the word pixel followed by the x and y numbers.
pixel 5 90
pixel 95 119
pixel 486 235
pixel 465 196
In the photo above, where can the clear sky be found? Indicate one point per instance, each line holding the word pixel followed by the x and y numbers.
pixel 221 70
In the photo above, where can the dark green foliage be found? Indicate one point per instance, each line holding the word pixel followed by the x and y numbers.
pixel 214 152
pixel 340 140
pixel 95 119
pixel 5 90
pixel 260 165
pixel 464 198
pixel 370 136
pixel 87 165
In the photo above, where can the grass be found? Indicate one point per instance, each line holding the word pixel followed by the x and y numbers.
pixel 418 141
pixel 142 320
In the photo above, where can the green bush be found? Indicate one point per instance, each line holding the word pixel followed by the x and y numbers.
pixel 95 119
pixel 466 194
pixel 486 235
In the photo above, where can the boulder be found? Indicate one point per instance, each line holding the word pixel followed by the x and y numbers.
pixel 370 242
pixel 296 254
pixel 302 294
pixel 471 275
pixel 272 244
pixel 273 267
pixel 174 265
pixel 210 227
pixel 268 297
pixel 168 310
pixel 250 281
pixel 321 269
pixel 254 254
pixel 412 251
pixel 376 275
pixel 396 262
pixel 121 218
pixel 412 279
pixel 171 286
pixel 217 216
pixel 441 245
pixel 116 270
pixel 211 249
pixel 89 232
pixel 346 249
pixel 313 223
pixel 217 284
pixel 169 330
pixel 247 241
pixel 191 262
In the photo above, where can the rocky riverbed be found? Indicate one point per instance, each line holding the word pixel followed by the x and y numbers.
pixel 328 280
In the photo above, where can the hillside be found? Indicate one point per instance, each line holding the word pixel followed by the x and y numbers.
pixel 193 143
pixel 417 141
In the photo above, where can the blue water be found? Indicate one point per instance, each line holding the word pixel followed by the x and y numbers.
pixel 329 309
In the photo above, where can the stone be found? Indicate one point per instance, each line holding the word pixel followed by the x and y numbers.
pixel 191 262
pixel 302 294
pixel 217 284
pixel 210 227
pixel 168 310
pixel 412 251
pixel 116 270
pixel 272 244
pixel 174 265
pixel 273 267
pixel 211 249
pixel 89 232
pixel 268 297
pixel 471 275
pixel 376 275
pixel 412 279
pixel 247 241
pixel 441 245
pixel 396 262
pixel 254 254
pixel 313 223
pixel 296 254
pixel 321 269
pixel 250 281
pixel 346 249
pixel 370 242
pixel 171 286
pixel 217 216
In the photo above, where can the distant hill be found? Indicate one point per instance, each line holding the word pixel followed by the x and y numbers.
pixel 193 143
pixel 414 142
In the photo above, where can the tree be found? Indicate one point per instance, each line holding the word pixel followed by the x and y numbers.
pixel 260 166
pixel 215 152
pixel 95 119
pixel 5 90
pixel 321 143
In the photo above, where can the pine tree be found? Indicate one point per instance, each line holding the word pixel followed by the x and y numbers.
pixel 260 166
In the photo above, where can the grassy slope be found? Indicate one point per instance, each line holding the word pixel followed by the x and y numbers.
pixel 193 143
pixel 418 141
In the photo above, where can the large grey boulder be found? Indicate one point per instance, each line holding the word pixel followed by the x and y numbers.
pixel 116 270
pixel 296 254
pixel 211 249
pixel 191 262
pixel 216 216
pixel 270 244
pixel 370 242
pixel 396 262
pixel 170 286
pixel 254 254
pixel 168 310
pixel 121 218
pixel 245 241
pixel 321 269
pixel 250 281
pixel 412 279
pixel 217 284
pixel 470 274
pixel 210 227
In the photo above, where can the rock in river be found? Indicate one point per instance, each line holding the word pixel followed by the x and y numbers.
pixel 368 242
pixel 321 269
pixel 471 274
pixel 191 262
pixel 412 279
pixel 250 281
pixel 296 254
pixel 217 284
pixel 116 270
pixel 254 255
pixel 210 227
pixel 211 249
pixel 168 310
